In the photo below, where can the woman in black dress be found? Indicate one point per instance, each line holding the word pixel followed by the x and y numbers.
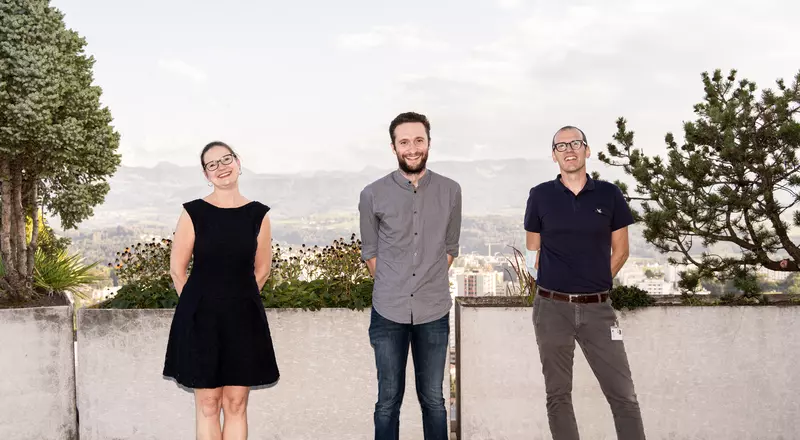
pixel 219 343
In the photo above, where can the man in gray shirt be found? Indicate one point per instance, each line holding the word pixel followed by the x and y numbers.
pixel 410 227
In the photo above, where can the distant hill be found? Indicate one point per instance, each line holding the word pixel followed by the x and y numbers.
pixel 154 195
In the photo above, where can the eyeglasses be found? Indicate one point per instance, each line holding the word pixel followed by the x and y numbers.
pixel 575 145
pixel 214 164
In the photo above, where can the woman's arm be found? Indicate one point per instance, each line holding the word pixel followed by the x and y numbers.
pixel 182 247
pixel 263 263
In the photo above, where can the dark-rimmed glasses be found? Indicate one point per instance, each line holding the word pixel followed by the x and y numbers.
pixel 575 145
pixel 224 160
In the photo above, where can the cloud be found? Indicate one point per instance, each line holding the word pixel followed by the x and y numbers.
pixel 183 69
pixel 405 37
pixel 509 4
pixel 587 64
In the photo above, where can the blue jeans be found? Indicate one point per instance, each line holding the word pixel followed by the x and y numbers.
pixel 429 343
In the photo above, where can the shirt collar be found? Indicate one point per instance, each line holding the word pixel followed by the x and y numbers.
pixel 401 180
pixel 589 186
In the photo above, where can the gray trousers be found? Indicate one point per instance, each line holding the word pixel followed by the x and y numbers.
pixel 558 324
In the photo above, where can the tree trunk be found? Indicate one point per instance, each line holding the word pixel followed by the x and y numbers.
pixel 5 218
pixel 6 247
pixel 34 210
pixel 9 223
pixel 18 221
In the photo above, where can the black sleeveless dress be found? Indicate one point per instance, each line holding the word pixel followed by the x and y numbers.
pixel 219 334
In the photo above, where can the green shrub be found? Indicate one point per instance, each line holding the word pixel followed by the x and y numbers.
pixel 630 298
pixel 61 272
pixel 318 294
pixel 153 294
pixel 309 278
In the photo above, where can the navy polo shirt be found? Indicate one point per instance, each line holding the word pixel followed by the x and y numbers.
pixel 575 256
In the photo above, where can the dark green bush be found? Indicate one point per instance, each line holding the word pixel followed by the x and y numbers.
pixel 318 294
pixel 630 298
pixel 155 294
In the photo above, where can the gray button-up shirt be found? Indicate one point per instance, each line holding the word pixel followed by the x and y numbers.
pixel 411 231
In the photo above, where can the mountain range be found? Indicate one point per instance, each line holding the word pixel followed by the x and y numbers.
pixel 154 195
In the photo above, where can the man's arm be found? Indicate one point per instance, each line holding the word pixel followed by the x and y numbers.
pixel 368 229
pixel 533 242
pixel 453 228
pixel 620 250
pixel 533 236
pixel 621 219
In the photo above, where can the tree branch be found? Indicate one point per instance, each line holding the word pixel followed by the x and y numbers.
pixel 780 228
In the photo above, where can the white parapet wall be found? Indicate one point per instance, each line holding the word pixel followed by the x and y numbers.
pixel 701 373
pixel 37 374
pixel 327 389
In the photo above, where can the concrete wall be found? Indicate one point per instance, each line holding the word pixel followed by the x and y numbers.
pixel 37 376
pixel 327 389
pixel 700 373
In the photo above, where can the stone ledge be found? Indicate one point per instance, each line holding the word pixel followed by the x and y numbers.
pixel 662 300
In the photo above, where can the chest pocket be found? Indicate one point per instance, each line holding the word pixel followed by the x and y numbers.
pixel 600 216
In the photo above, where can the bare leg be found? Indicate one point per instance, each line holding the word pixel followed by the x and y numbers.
pixel 208 402
pixel 234 406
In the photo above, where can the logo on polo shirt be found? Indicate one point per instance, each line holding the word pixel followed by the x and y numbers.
pixel 599 210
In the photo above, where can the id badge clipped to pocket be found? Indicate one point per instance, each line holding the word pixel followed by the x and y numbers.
pixel 616 332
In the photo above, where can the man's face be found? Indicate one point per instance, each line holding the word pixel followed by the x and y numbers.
pixel 573 157
pixel 411 147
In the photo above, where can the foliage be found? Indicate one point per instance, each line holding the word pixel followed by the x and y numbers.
pixel 338 261
pixel 317 294
pixel 61 272
pixel 630 298
pixel 306 278
pixel 526 285
pixel 145 263
pixel 57 145
pixel 649 273
pixel 793 284
pixel 731 181
pixel 48 241
pixel 151 293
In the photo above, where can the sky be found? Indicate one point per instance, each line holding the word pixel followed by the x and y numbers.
pixel 313 85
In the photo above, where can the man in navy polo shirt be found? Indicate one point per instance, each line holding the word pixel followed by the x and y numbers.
pixel 577 241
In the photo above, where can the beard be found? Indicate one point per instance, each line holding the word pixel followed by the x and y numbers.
pixel 409 169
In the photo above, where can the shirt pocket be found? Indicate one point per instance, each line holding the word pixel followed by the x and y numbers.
pixel 600 216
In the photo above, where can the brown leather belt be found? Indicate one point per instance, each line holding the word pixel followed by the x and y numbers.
pixel 582 298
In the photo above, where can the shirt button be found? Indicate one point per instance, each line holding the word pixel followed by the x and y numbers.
pixel 413 274
pixel 415 233
pixel 412 294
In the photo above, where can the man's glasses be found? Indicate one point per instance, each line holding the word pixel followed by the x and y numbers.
pixel 214 164
pixel 562 146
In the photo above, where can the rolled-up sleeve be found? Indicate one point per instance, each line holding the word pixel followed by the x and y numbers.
pixel 454 225
pixel 368 225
